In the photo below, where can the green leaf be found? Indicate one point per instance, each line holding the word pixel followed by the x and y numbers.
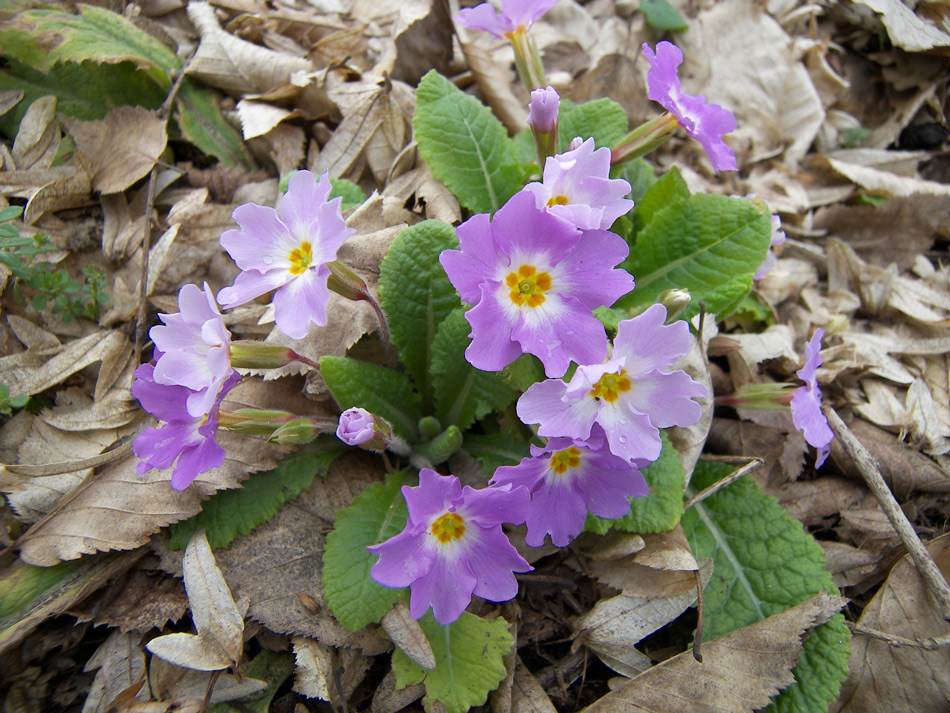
pixel 416 295
pixel 229 513
pixel 765 563
pixel 602 119
pixel 379 390
pixel 468 654
pixel 669 189
pixel 44 37
pixel 660 15
pixel 496 449
pixel 201 123
pixel 375 515
pixel 350 192
pixel 270 666
pixel 466 147
pixel 641 177
pixel 463 393
pixel 86 91
pixel 662 508
pixel 702 244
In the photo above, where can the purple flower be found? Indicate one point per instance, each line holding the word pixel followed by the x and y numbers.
pixel 358 427
pixel 195 346
pixel 631 395
pixel 288 250
pixel 534 281
pixel 704 122
pixel 567 478
pixel 184 438
pixel 516 16
pixel 806 402
pixel 453 546
pixel 543 109
pixel 577 187
pixel 778 238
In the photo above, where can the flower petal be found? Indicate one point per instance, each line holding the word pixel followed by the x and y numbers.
pixel 492 559
pixel 447 588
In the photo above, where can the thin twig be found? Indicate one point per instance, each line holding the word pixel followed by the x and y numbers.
pixel 701 619
pixel 751 465
pixel 928 644
pixel 164 111
pixel 933 579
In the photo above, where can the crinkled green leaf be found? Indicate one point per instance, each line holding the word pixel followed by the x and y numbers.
pixel 667 190
pixel 662 508
pixel 416 295
pixel 602 119
pixel 379 390
pixel 466 147
pixel 229 513
pixel 764 563
pixel 660 15
pixel 496 449
pixel 44 37
pixel 468 654
pixel 641 177
pixel 350 192
pixel 701 244
pixel 462 392
pixel 86 91
pixel 201 123
pixel 378 513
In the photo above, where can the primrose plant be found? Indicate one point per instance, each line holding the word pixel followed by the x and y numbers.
pixel 538 347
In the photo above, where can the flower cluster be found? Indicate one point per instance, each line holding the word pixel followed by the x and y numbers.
pixel 533 274
pixel 286 249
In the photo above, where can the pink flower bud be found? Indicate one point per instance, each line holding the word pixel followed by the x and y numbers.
pixel 358 427
pixel 542 111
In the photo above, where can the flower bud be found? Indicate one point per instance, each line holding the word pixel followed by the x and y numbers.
pixel 543 109
pixel 675 301
pixel 345 282
pixel 248 354
pixel 768 396
pixel 358 427
pixel 296 432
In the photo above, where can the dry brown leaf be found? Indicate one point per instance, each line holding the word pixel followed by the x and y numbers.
pixel 183 690
pixel 236 65
pixel 812 501
pixel 405 632
pixel 494 81
pixel 118 663
pixel 927 428
pixel 121 148
pixel 422 40
pixel 905 29
pixel 38 137
pixel 527 695
pixel 314 670
pixel 118 509
pixel 740 671
pixel 258 118
pixel 880 180
pixel 219 643
pixel 388 699
pixel 138 601
pixel 848 565
pixel 56 188
pixel 884 678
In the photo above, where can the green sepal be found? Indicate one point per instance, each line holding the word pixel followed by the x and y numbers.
pixel 375 515
pixel 379 390
pixel 469 657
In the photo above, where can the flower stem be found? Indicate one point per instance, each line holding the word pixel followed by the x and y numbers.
pixel 644 139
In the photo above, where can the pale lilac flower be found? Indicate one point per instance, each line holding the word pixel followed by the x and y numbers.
pixel 569 477
pixel 778 238
pixel 577 188
pixel 806 402
pixel 543 109
pixel 704 122
pixel 358 427
pixel 288 250
pixel 184 438
pixel 516 16
pixel 535 281
pixel 195 346
pixel 453 546
pixel 631 395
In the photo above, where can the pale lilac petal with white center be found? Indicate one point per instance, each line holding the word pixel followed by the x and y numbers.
pixel 521 231
pixel 607 487
pixel 493 560
pixel 543 109
pixel 492 348
pixel 263 241
pixel 558 509
pixel 646 343
pixel 667 398
pixel 356 426
pixel 205 456
pixel 447 587
pixel 492 506
pixel 295 209
pixel 434 494
pixel 806 402
pixel 302 301
pixel 544 403
pixel 515 15
pixel 588 275
pixel 402 559
pixel 251 284
pixel 477 261
pixel 630 433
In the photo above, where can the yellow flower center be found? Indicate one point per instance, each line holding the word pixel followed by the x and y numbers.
pixel 558 200
pixel 300 258
pixel 611 386
pixel 561 461
pixel 519 30
pixel 528 286
pixel 448 527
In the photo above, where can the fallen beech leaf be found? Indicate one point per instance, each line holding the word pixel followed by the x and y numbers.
pixel 121 148
pixel 885 678
pixel 236 65
pixel 740 671
pixel 220 639
pixel 38 137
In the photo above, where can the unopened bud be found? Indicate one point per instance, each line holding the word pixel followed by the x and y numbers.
pixel 770 396
pixel 296 432
pixel 358 427
pixel 248 354
pixel 575 144
pixel 675 301
pixel 345 282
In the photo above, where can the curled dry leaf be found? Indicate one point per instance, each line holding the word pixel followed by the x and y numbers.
pixel 740 671
pixel 905 29
pixel 527 695
pixel 389 699
pixel 121 148
pixel 119 663
pixel 314 670
pixel 887 678
pixel 220 639
pixel 405 632
pixel 38 137
pixel 494 81
pixel 233 64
